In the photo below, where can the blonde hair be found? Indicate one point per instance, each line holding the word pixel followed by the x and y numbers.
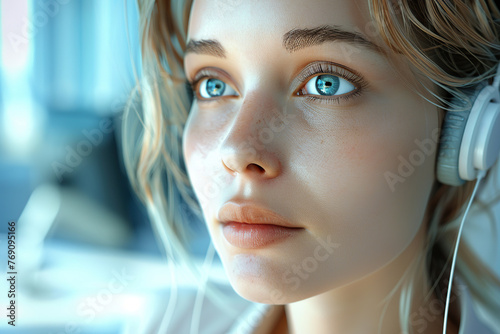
pixel 453 43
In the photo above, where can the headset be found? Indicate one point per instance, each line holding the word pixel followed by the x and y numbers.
pixel 469 146
pixel 470 139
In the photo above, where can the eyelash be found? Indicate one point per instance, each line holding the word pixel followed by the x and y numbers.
pixel 203 74
pixel 318 68
pixel 311 70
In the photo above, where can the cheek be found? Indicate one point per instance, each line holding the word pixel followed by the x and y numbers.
pixel 200 148
pixel 347 167
pixel 357 148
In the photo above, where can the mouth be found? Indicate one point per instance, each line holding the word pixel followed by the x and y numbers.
pixel 249 236
pixel 247 225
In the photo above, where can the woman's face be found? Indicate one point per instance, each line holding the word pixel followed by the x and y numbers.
pixel 319 125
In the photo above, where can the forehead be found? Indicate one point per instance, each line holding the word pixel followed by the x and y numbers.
pixel 258 20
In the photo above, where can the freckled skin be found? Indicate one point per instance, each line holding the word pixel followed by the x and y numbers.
pixel 324 170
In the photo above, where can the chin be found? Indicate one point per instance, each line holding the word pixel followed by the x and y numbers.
pixel 268 289
pixel 255 280
pixel 260 292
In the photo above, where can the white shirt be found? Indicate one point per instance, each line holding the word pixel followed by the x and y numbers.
pixel 474 322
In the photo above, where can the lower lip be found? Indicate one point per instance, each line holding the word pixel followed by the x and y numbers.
pixel 256 235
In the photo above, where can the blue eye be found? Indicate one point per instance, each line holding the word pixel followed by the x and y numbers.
pixel 211 87
pixel 328 85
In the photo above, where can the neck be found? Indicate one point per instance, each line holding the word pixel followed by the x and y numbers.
pixel 364 306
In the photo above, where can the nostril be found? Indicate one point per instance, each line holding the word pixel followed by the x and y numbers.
pixel 255 167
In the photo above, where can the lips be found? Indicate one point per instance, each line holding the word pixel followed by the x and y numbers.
pixel 251 214
pixel 250 226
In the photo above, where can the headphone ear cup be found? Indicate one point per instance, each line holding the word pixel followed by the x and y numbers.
pixel 452 132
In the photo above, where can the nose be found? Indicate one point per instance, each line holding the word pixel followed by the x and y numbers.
pixel 250 147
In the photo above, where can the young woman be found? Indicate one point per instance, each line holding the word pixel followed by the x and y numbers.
pixel 308 143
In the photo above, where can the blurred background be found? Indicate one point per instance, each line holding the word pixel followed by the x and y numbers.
pixel 86 256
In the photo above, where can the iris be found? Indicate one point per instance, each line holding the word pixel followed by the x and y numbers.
pixel 327 84
pixel 215 87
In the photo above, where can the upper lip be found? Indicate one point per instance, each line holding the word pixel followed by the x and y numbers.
pixel 251 213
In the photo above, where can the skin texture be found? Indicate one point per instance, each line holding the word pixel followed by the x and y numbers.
pixel 322 166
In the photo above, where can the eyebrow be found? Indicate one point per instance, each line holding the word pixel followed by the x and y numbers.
pixel 293 40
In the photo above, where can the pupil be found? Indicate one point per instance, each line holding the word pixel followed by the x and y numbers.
pixel 215 87
pixel 327 84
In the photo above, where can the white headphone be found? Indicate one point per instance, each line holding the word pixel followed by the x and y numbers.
pixel 469 146
pixel 470 139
